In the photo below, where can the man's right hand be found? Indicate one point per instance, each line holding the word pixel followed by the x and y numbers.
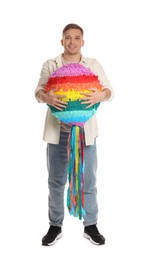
pixel 52 99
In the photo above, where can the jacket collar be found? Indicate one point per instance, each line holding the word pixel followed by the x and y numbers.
pixel 58 61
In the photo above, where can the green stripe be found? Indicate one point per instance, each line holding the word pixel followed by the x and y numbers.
pixel 75 105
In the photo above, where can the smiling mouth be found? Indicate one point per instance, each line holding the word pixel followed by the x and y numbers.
pixel 72 47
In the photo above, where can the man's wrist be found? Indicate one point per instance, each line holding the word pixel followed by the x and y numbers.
pixel 40 96
pixel 107 94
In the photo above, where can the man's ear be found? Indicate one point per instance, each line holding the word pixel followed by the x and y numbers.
pixel 62 42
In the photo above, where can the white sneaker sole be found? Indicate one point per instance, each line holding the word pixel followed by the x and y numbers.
pixel 58 237
pixel 88 237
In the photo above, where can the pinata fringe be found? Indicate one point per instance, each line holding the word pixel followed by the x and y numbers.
pixel 75 193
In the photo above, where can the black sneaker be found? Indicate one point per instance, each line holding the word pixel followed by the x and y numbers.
pixel 92 233
pixel 52 235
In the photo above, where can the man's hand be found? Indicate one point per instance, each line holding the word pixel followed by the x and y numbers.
pixel 52 99
pixel 93 97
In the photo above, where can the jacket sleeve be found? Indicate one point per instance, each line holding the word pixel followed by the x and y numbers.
pixel 44 75
pixel 98 70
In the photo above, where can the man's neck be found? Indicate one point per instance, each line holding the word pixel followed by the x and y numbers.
pixel 72 58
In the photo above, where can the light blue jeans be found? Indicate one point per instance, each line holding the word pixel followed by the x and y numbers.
pixel 57 168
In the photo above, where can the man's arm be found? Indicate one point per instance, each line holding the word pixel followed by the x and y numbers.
pixel 107 93
pixel 98 70
pixel 51 98
pixel 95 96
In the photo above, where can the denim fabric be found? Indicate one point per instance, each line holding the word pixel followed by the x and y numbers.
pixel 57 168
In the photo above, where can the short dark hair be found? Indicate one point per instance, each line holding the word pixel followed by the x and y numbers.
pixel 72 26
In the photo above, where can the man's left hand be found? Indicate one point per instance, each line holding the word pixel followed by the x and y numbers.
pixel 93 97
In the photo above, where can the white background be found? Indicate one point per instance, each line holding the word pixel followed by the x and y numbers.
pixel 116 35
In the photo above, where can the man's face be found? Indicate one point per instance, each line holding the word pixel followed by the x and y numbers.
pixel 72 41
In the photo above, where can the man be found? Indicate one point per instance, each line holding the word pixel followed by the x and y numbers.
pixel 56 136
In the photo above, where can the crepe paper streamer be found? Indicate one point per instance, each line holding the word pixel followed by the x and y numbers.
pixel 71 80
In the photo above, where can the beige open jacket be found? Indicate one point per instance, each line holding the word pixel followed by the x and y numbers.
pixel 52 125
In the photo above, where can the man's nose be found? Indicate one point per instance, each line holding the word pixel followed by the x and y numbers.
pixel 71 40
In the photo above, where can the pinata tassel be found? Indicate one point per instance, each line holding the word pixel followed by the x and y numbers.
pixel 75 193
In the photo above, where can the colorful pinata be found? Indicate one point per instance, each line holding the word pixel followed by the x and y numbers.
pixel 71 80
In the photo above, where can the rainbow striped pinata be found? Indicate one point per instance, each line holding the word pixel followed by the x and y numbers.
pixel 71 80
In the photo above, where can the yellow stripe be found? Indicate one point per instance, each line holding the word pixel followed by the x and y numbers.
pixel 70 94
